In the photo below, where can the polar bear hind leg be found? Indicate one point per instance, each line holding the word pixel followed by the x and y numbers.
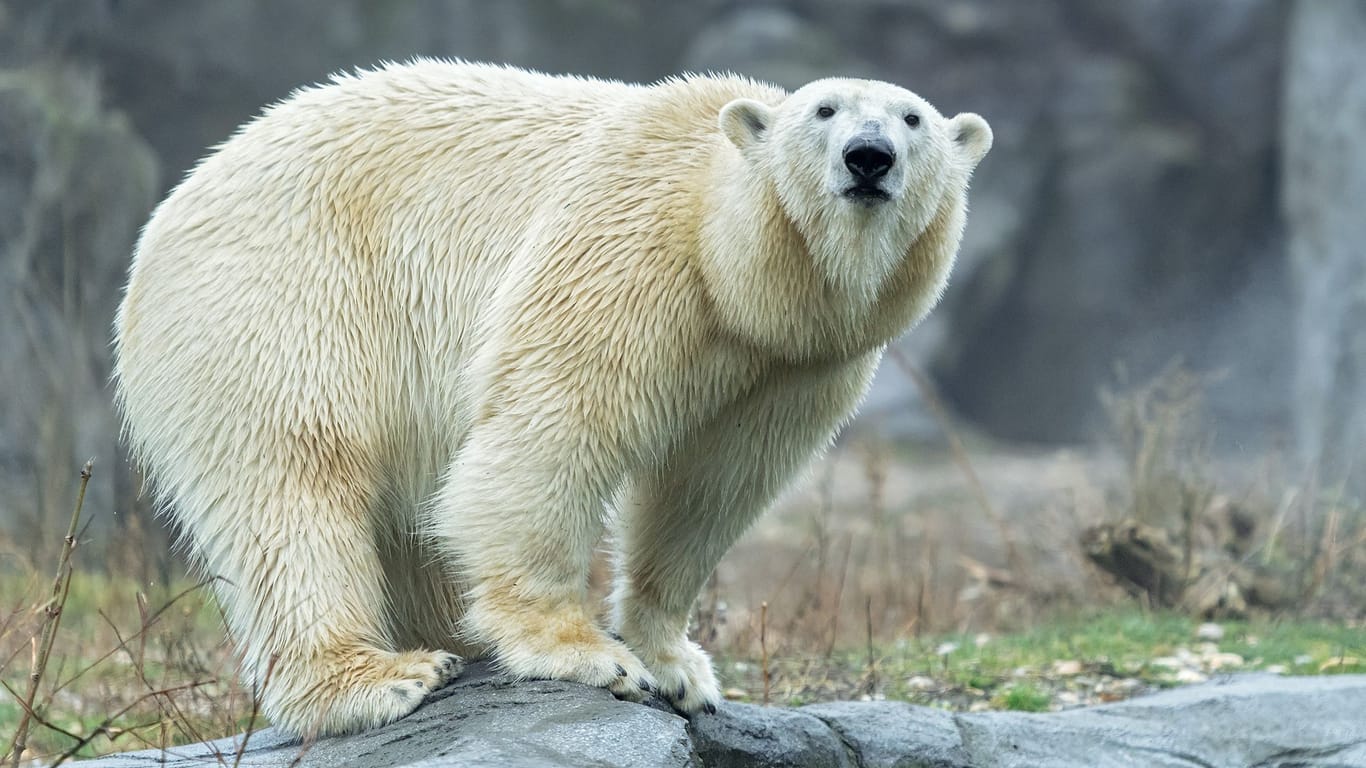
pixel 302 586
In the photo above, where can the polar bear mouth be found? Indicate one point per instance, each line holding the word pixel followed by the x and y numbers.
pixel 867 194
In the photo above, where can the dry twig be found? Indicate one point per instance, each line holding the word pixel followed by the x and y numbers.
pixel 61 585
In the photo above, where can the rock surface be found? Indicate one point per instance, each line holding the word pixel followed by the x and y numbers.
pixel 1325 184
pixel 484 720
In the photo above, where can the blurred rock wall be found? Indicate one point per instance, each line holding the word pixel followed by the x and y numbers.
pixel 1325 210
pixel 1129 214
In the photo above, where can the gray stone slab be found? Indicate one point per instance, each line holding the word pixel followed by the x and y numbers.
pixel 1248 720
pixel 746 735
pixel 483 719
pixel 894 734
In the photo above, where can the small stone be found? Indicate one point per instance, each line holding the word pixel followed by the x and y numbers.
pixel 1067 668
pixel 979 706
pixel 1170 662
pixel 921 683
pixel 1221 660
pixel 1210 631
pixel 1068 699
pixel 1276 669
pixel 735 694
pixel 1190 676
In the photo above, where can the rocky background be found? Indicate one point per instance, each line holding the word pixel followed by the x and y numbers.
pixel 1171 180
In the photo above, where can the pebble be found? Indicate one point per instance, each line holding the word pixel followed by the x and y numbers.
pixel 921 683
pixel 1221 660
pixel 1190 676
pixel 1067 668
pixel 1210 631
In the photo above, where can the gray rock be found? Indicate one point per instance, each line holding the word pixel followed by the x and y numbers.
pixel 76 183
pixel 482 719
pixel 1249 720
pixel 1264 721
pixel 1139 219
pixel 744 735
pixel 1325 184
pixel 893 734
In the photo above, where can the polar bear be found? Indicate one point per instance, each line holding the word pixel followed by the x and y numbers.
pixel 398 353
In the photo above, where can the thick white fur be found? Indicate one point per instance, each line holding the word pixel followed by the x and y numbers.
pixel 392 351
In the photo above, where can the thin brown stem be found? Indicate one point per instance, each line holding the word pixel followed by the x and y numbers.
pixel 763 646
pixel 61 583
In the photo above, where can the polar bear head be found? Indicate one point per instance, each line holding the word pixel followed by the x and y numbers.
pixel 852 157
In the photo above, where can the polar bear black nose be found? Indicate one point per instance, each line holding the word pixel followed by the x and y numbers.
pixel 869 157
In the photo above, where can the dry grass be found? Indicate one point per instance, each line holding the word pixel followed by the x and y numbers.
pixel 106 664
pixel 891 545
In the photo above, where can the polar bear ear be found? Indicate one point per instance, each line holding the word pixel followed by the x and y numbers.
pixel 745 122
pixel 972 135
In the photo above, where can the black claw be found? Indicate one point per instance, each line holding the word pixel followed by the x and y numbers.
pixel 680 693
pixel 709 708
pixel 645 686
pixel 621 671
pixel 616 636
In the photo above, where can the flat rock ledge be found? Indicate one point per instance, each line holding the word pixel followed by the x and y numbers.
pixel 483 719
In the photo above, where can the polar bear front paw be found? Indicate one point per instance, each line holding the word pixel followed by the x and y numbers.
pixel 685 676
pixel 607 665
pixel 562 645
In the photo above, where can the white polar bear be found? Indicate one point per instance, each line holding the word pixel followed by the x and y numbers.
pixel 391 352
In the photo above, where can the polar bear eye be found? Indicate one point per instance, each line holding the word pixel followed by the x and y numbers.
pixel 825 112
pixel 912 119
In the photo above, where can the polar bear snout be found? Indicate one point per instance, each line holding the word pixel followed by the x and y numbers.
pixel 869 158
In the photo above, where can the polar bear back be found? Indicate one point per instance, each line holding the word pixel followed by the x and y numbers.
pixel 336 264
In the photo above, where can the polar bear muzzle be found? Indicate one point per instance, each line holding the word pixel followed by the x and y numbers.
pixel 868 156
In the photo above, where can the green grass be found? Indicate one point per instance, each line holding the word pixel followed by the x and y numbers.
pixel 1125 643
pixel 1024 697
pixel 1017 671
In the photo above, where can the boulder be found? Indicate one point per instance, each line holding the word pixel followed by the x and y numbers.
pixel 483 719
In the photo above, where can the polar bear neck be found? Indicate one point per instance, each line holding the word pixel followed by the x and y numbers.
pixel 842 291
